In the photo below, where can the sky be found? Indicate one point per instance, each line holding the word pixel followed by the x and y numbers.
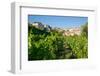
pixel 58 21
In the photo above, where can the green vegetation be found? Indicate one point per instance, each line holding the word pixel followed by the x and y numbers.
pixel 43 45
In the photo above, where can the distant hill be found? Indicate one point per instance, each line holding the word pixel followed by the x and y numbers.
pixel 40 28
pixel 37 31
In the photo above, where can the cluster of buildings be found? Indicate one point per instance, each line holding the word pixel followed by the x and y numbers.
pixel 72 32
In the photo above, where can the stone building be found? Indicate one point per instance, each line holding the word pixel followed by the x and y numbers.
pixel 72 32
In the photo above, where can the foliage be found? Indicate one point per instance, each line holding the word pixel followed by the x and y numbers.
pixel 43 45
pixel 79 46
pixel 85 30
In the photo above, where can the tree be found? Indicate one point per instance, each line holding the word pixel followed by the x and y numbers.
pixel 85 29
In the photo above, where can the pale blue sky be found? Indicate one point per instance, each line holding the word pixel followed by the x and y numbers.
pixel 58 21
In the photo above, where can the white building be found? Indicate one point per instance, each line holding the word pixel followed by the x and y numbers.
pixel 38 25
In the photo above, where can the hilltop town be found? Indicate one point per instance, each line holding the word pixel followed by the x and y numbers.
pixel 72 31
pixel 65 32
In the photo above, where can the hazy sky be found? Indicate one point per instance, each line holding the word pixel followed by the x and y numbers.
pixel 58 21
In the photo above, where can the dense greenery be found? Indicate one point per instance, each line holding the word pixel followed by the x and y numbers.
pixel 43 45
